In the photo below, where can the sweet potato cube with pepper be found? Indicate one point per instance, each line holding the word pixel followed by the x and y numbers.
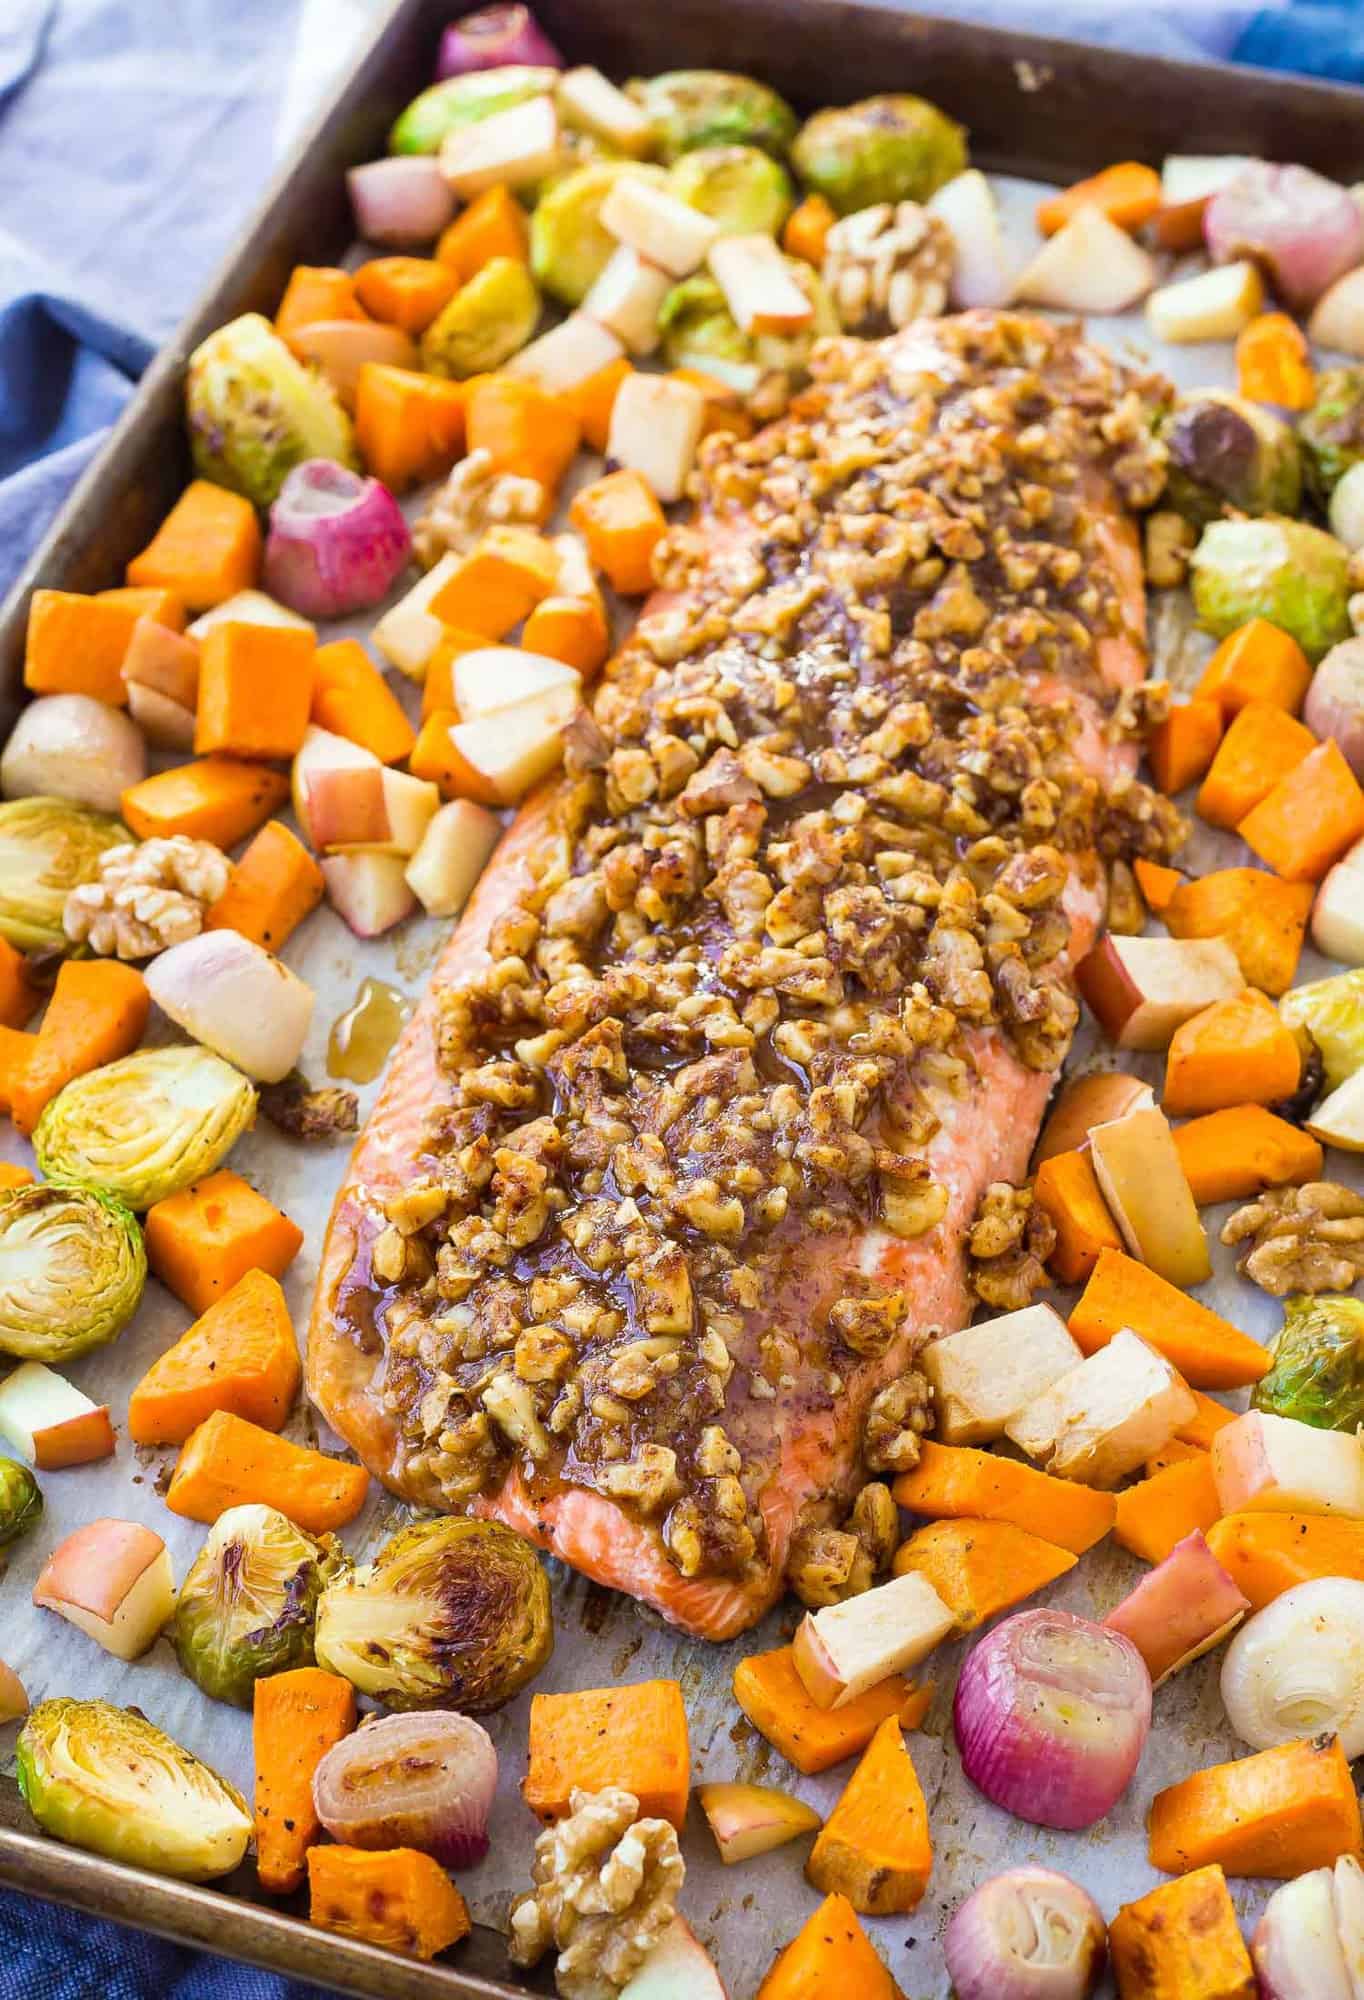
pixel 1067 1189
pixel 830 1954
pixel 1160 1510
pixel 1237 1051
pixel 351 698
pixel 1181 748
pixel 202 1240
pixel 409 426
pixel 1277 1813
pixel 493 225
pixel 1261 746
pixel 274 886
pixel 1257 662
pixel 980 1568
pixel 255 689
pixel 874 1847
pixel 207 549
pixel 1181 1942
pixel 1262 918
pixel 221 799
pixel 76 644
pixel 399 1899
pixel 776 1701
pixel 1313 816
pixel 634 1736
pixel 622 523
pixel 97 1013
pixel 297 1718
pixel 164 607
pixel 405 291
pixel 501 579
pixel 314 292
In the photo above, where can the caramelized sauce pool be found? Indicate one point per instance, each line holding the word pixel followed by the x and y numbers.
pixel 362 1037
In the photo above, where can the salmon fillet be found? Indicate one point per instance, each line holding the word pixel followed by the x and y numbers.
pixel 674 1168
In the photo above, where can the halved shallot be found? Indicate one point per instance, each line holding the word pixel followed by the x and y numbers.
pixel 1297 1667
pixel 337 542
pixel 1029 1934
pixel 1297 1946
pixel 424 1781
pixel 502 33
pixel 1303 230
pixel 1051 1715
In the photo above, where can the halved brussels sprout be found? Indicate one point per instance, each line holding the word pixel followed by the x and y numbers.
pixel 713 107
pixel 21 1500
pixel 891 148
pixel 146 1126
pixel 451 1613
pixel 106 1779
pixel 248 1605
pixel 1329 1013
pixel 742 187
pixel 1318 1372
pixel 255 412
pixel 1332 431
pixel 72 1268
pixel 47 847
pixel 569 249
pixel 699 331
pixel 486 322
pixel 1292 574
pixel 464 100
pixel 1227 452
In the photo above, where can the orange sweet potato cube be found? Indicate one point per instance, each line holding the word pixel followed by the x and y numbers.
pixel 255 690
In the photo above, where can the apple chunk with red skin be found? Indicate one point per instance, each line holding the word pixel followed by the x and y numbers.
pixel 369 890
pixel 49 1422
pixel 367 805
pixel 752 1819
pixel 113 1581
pixel 1141 989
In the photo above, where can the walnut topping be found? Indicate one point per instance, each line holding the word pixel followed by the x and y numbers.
pixel 1301 1239
pixel 900 1416
pixel 148 896
pixel 829 1565
pixel 606 1888
pixel 1009 1242
pixel 868 1325
pixel 473 499
pixel 304 1113
pixel 1169 542
pixel 887 265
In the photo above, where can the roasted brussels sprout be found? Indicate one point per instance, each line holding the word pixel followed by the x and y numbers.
pixel 255 412
pixel 699 331
pixel 451 1613
pixel 742 187
pixel 713 107
pixel 464 100
pixel 21 1501
pixel 247 1607
pixel 1318 1371
pixel 486 322
pixel 47 847
pixel 106 1779
pixel 72 1268
pixel 146 1126
pixel 1227 452
pixel 1328 1014
pixel 569 249
pixel 1332 431
pixel 892 148
pixel 1286 571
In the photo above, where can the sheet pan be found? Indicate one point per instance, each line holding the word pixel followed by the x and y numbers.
pixel 1030 104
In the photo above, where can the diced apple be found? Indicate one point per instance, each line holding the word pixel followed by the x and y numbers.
pixel 454 851
pixel 626 298
pixel 1089 266
pixel 370 891
pixel 678 1968
pixel 321 751
pixel 759 286
pixel 248 607
pixel 1084 1102
pixel 162 721
pixel 1142 1178
pixel 983 266
pixel 1188 182
pixel 592 103
pixel 407 634
pixel 1337 318
pixel 579 346
pixel 162 659
pixel 513 148
pixel 1181 1609
pixel 1141 989
pixel 14 1702
pixel 1213 306
pixel 361 806
pixel 1339 1119
pixel 666 230
pixel 985 1374
pixel 113 1581
pixel 340 348
pixel 1106 1417
pixel 497 758
pixel 1338 912
pixel 491 677
pixel 656 425
pixel 49 1422
pixel 1264 1464
pixel 752 1819
pixel 843 1650
pixel 576 576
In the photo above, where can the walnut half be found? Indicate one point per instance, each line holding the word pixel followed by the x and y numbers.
pixel 1301 1239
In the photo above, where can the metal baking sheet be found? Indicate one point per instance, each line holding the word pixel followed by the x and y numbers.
pixel 744 1914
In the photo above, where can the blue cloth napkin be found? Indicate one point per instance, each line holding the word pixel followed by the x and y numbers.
pixel 134 136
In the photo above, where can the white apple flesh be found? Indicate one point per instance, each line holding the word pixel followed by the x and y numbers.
pixel 983 267
pixel 1106 1417
pixel 626 299
pixel 752 1819
pixel 580 346
pixel 656 425
pixel 368 890
pixel 667 231
pixel 592 103
pixel 678 1968
pixel 455 849
pixel 759 287
pixel 321 751
pixel 488 678
pixel 511 148
pixel 1213 306
pixel 113 1581
pixel 1141 989
pixel 1089 266
pixel 1142 1179
pixel 248 607
pixel 49 1422
pixel 1338 912
pixel 843 1650
pixel 407 634
pixel 1266 1464
pixel 237 999
pixel 165 723
pixel 1339 1119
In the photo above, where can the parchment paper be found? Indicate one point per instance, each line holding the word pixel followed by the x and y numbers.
pixel 745 1913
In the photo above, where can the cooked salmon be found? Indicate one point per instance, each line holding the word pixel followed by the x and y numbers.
pixel 674 1169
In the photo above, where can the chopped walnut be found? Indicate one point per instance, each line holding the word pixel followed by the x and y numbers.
pixel 606 1888
pixel 829 1565
pixel 148 896
pixel 899 1417
pixel 473 499
pixel 1009 1242
pixel 1301 1239
pixel 887 265
pixel 1169 542
pixel 1126 909
pixel 293 1106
